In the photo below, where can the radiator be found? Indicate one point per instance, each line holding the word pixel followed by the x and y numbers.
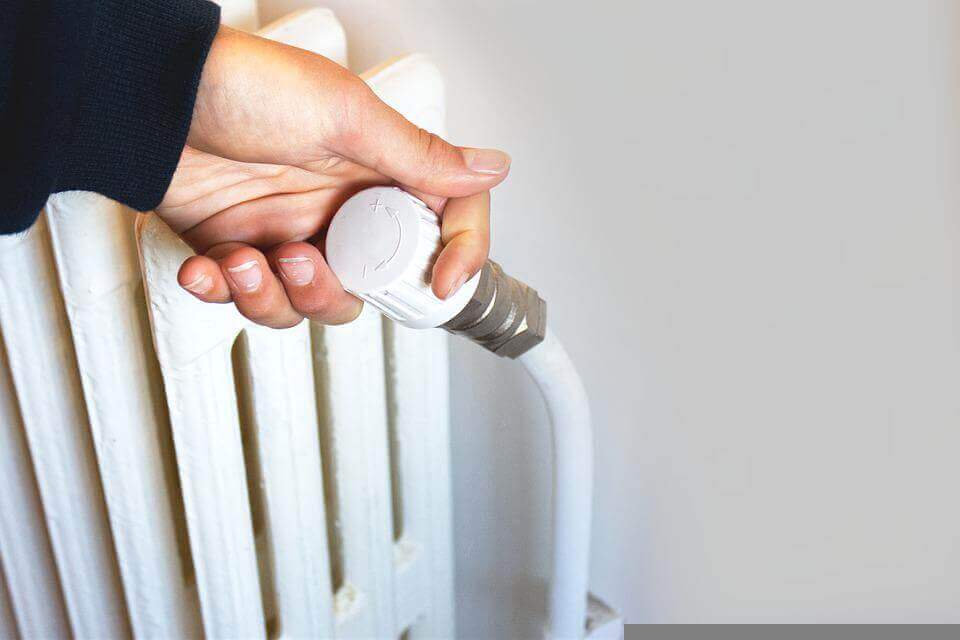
pixel 170 470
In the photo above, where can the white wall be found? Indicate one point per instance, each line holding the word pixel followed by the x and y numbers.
pixel 744 218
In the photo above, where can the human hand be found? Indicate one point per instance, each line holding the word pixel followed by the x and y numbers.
pixel 280 138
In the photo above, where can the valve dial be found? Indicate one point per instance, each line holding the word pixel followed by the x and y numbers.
pixel 382 245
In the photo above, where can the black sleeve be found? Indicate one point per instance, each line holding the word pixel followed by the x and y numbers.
pixel 96 95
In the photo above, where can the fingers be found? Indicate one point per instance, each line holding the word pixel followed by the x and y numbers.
pixel 240 273
pixel 306 287
pixel 378 137
pixel 312 288
pixel 465 231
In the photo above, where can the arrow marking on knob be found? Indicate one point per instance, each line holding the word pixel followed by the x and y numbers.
pixel 375 206
pixel 393 214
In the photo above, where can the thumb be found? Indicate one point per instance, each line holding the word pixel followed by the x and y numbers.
pixel 380 138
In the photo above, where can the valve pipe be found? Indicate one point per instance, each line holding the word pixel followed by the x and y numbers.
pixel 572 441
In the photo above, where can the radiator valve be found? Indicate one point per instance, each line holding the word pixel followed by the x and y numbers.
pixel 382 244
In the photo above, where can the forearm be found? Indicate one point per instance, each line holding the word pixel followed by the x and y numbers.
pixel 97 96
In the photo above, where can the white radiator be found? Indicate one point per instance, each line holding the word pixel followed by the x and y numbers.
pixel 169 470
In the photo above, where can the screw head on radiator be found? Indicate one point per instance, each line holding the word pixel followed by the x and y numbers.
pixel 382 245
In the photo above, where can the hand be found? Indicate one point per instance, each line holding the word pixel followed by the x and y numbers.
pixel 280 138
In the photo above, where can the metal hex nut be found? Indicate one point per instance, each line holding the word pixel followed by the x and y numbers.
pixel 531 331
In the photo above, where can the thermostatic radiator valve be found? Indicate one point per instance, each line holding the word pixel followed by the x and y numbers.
pixel 382 244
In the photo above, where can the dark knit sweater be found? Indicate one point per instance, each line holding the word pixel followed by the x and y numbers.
pixel 96 95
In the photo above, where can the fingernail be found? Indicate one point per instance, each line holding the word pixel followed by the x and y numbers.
pixel 297 270
pixel 246 276
pixel 201 285
pixel 456 285
pixel 488 161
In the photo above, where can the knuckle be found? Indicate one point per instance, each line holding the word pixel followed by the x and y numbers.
pixel 428 142
pixel 435 152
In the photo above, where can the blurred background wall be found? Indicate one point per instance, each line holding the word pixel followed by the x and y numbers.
pixel 744 217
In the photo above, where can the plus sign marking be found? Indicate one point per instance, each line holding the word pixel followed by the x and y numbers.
pixel 379 208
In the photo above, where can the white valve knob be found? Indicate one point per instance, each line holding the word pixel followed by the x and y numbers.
pixel 382 244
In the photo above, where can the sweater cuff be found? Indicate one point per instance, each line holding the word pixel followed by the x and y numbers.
pixel 140 83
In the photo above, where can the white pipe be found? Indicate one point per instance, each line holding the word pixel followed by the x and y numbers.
pixel 566 400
